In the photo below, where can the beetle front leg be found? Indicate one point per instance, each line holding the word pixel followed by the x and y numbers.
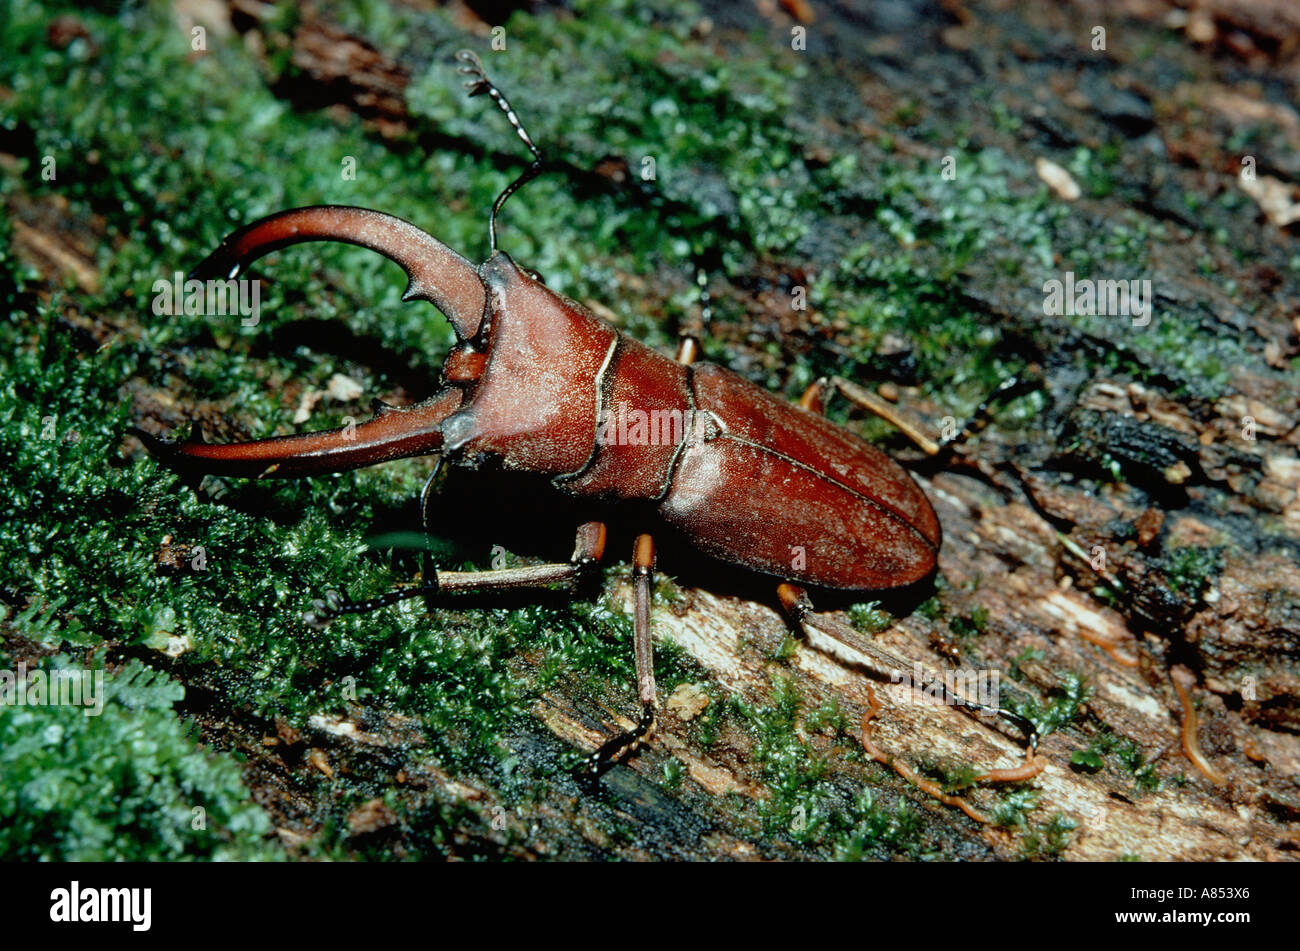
pixel 642 570
pixel 588 550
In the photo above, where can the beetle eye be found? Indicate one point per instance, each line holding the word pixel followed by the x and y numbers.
pixel 535 275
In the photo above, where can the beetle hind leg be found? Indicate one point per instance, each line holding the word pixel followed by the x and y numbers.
pixel 800 609
pixel 797 604
pixel 1031 768
pixel 815 396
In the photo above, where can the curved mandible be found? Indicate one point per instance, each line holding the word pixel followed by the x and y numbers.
pixel 436 272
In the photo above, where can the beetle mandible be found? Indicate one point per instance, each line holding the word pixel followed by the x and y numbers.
pixel 529 384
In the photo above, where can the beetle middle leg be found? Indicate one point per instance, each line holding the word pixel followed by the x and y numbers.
pixel 589 550
pixel 642 569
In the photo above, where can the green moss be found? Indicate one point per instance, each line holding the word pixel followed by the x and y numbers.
pixel 1125 755
pixel 1191 570
pixel 1088 761
pixel 952 776
pixel 869 830
pixel 828 716
pixel 803 803
pixel 1062 708
pixel 791 771
pixel 1048 841
pixel 870 617
pixel 970 625
pixel 931 608
pixel 1013 807
pixel 71 785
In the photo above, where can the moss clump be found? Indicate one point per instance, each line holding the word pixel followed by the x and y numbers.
pixel 1191 570
pixel 870 617
pixel 129 784
pixel 1126 755
pixel 1064 705
pixel 971 625
pixel 803 804
pixel 1049 841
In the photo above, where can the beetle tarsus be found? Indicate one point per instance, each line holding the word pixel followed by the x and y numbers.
pixel 335 605
pixel 599 762
pixel 1009 388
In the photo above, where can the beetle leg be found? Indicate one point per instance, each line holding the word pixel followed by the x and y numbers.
pixel 642 568
pixel 1031 768
pixel 1011 387
pixel 588 550
pixel 813 400
pixel 797 604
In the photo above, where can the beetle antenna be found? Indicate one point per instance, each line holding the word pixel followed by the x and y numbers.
pixel 478 84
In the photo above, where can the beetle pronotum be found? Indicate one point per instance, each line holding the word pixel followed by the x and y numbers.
pixel 526 386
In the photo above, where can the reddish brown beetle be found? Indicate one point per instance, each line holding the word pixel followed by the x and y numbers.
pixel 530 383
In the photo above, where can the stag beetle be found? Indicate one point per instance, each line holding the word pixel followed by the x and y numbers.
pixel 529 384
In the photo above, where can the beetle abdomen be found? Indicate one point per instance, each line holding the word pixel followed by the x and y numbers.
pixel 788 493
